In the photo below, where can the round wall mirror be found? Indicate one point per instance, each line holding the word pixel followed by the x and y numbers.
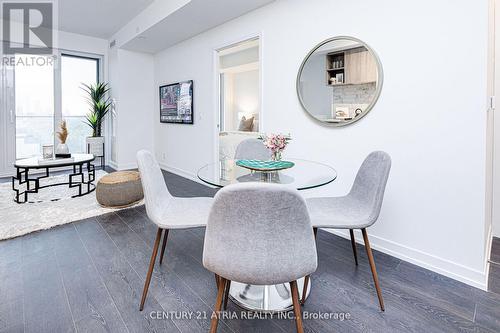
pixel 339 81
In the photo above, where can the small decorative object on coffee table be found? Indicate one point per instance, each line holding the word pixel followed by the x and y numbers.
pixel 62 149
pixel 276 143
pixel 48 151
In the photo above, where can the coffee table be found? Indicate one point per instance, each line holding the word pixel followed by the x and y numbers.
pixel 75 179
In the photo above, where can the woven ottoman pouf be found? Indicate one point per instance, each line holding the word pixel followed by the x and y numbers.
pixel 119 189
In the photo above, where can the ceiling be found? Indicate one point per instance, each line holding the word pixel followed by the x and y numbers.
pixel 194 18
pixel 103 18
pixel 98 18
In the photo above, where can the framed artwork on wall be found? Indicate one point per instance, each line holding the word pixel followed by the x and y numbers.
pixel 176 103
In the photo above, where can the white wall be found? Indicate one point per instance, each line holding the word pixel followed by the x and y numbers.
pixel 496 125
pixel 430 117
pixel 81 43
pixel 131 80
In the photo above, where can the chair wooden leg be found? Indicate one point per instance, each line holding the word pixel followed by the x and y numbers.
pixel 151 266
pixel 306 279
pixel 353 244
pixel 373 268
pixel 163 245
pixel 296 307
pixel 304 290
pixel 218 305
pixel 226 295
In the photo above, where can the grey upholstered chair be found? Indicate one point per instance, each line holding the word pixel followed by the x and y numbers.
pixel 252 149
pixel 166 211
pixel 259 234
pixel 357 210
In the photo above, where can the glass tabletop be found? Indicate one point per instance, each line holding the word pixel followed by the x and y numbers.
pixel 302 176
pixel 34 162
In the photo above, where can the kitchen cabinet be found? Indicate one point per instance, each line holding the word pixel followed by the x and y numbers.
pixel 360 66
pixel 357 66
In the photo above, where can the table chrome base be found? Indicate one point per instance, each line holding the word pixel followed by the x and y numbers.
pixel 272 298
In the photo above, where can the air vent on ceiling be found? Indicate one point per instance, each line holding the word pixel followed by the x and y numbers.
pixel 112 43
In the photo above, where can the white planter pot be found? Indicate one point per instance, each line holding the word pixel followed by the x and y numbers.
pixel 95 145
pixel 62 148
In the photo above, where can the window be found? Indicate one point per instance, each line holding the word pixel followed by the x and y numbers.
pixel 43 101
pixel 34 98
pixel 76 71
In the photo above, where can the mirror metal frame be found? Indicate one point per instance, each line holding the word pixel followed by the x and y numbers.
pixel 380 81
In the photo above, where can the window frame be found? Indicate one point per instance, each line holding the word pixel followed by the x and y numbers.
pixel 58 116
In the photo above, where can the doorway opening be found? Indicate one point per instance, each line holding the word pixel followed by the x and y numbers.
pixel 239 91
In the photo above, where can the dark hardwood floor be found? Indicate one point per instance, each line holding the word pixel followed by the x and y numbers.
pixel 494 278
pixel 88 276
pixel 495 251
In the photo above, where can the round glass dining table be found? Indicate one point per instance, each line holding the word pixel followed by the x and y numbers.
pixel 303 175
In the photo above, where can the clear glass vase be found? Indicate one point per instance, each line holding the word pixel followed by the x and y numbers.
pixel 276 156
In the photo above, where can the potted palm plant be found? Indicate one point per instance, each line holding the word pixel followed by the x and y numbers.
pixel 100 104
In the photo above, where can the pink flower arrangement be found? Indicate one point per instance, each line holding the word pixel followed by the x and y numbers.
pixel 276 143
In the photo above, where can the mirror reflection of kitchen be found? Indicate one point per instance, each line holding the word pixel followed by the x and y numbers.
pixel 339 81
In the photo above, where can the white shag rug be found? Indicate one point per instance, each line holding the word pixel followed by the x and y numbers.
pixel 50 207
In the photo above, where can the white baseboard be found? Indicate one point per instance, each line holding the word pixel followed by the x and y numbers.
pixel 472 277
pixel 122 166
pixel 183 173
pixel 489 244
pixel 113 164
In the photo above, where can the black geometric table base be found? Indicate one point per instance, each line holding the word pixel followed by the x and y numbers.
pixel 76 179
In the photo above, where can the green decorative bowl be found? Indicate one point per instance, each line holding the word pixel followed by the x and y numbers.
pixel 259 165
